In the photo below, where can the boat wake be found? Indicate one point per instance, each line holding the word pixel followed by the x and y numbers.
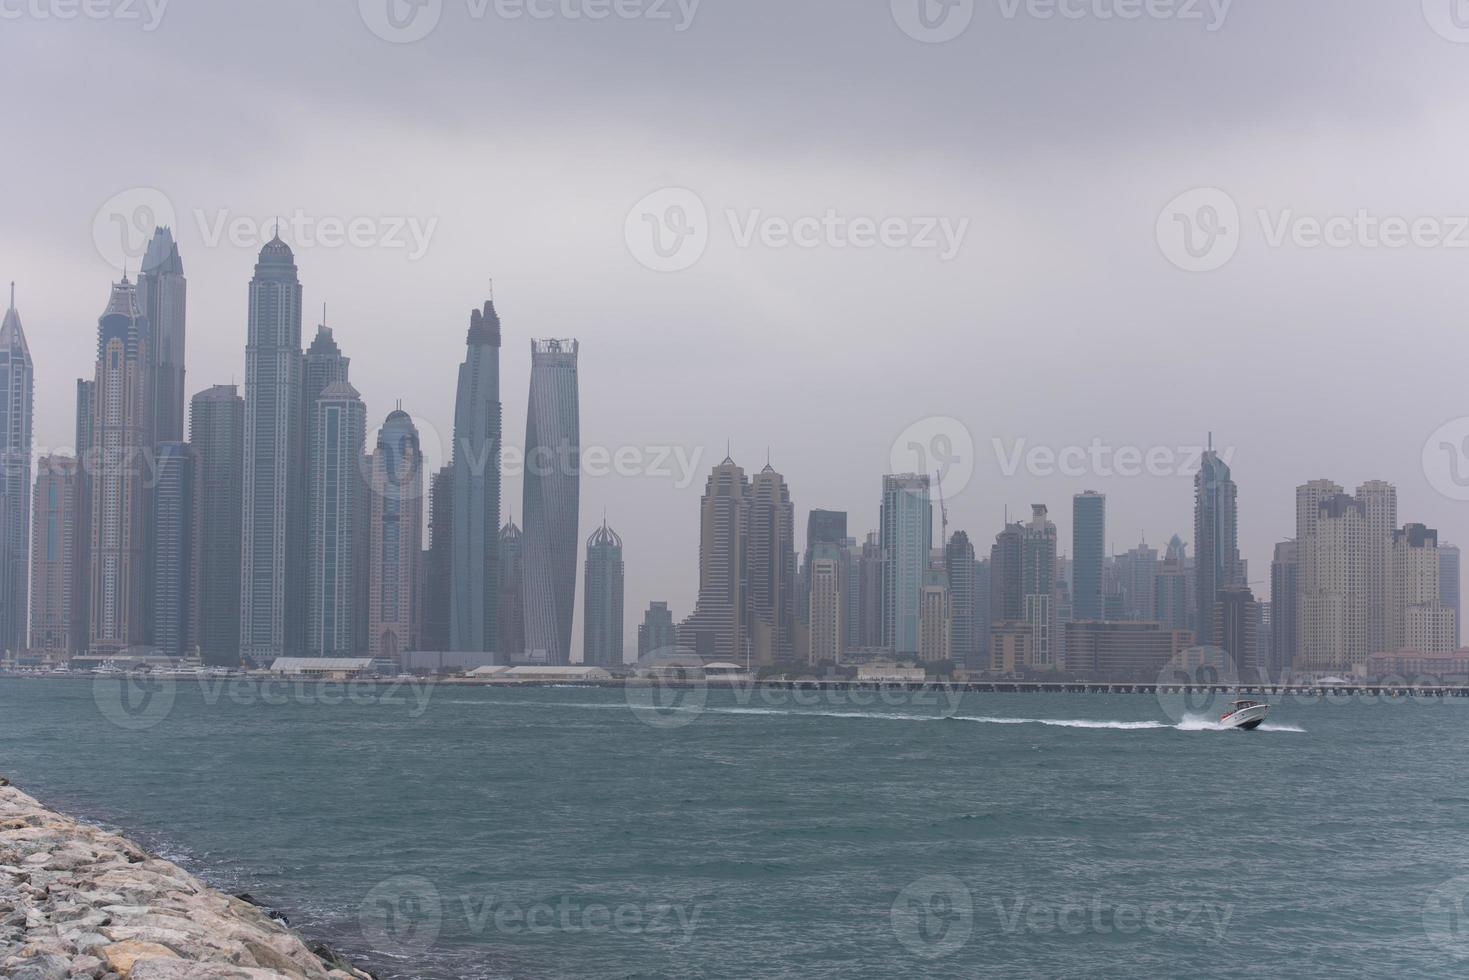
pixel 1190 723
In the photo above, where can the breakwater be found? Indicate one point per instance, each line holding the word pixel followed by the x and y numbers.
pixel 79 901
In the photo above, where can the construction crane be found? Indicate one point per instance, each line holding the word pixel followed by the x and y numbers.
pixel 943 510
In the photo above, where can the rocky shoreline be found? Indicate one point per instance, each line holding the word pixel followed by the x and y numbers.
pixel 78 901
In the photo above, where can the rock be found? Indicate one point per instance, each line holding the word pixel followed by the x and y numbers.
pixel 47 966
pixel 120 957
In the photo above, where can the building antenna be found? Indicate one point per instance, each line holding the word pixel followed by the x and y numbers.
pixel 492 289
pixel 12 294
pixel 943 510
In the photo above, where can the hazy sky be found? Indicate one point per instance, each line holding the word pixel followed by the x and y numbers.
pixel 519 146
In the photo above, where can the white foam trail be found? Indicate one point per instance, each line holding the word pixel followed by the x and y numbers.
pixel 1190 723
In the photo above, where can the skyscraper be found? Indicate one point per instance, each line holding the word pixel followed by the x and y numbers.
pixel 1172 604
pixel 715 630
pixel 475 591
pixel 1038 586
pixel 217 435
pixel 602 640
pixel 869 593
pixel 935 621
pixel 172 565
pixel 1417 618
pixel 1088 550
pixel 770 568
pixel 273 534
pixel 439 561
pixel 1235 623
pixel 17 384
pixel 1007 604
pixel 1284 590
pixel 81 562
pixel 959 566
pixel 1380 505
pixel 511 583
pixel 1137 571
pixel 982 623
pixel 1448 588
pixel 827 573
pixel 907 538
pixel 657 632
pixel 162 296
pixel 1333 582
pixel 397 538
pixel 1216 537
pixel 52 552
pixel 552 499
pixel 337 496
pixel 117 520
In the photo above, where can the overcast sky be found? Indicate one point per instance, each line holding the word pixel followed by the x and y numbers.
pixel 1054 314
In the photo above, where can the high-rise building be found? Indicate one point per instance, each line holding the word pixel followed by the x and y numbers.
pixel 1234 625
pixel 1216 537
pixel 439 561
pixel 1448 588
pixel 982 624
pixel 1137 574
pixel 822 527
pixel 217 435
pixel 172 566
pixel 827 572
pixel 1038 586
pixel 869 593
pixel 1007 604
pixel 17 385
pixel 396 539
pixel 770 568
pixel 1088 551
pixel 1333 583
pixel 1380 505
pixel 273 529
pixel 1417 620
pixel 602 642
pixel 1172 606
pixel 907 538
pixel 715 630
pixel 475 590
pixel 657 634
pixel 1284 589
pixel 81 562
pixel 935 625
pixel 117 520
pixel 511 616
pixel 336 498
pixel 162 296
pixel 52 552
pixel 959 567
pixel 552 493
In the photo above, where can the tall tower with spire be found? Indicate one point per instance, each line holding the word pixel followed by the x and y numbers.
pixel 1216 537
pixel 17 387
pixel 118 441
pixel 273 559
pixel 475 591
pixel 162 295
pixel 770 567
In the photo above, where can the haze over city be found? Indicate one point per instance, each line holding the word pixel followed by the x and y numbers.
pixel 1058 322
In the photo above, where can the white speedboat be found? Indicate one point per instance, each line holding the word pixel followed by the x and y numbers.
pixel 1244 715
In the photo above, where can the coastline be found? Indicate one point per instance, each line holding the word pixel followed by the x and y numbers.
pixel 79 901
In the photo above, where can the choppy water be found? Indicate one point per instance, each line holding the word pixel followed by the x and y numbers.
pixel 470 832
